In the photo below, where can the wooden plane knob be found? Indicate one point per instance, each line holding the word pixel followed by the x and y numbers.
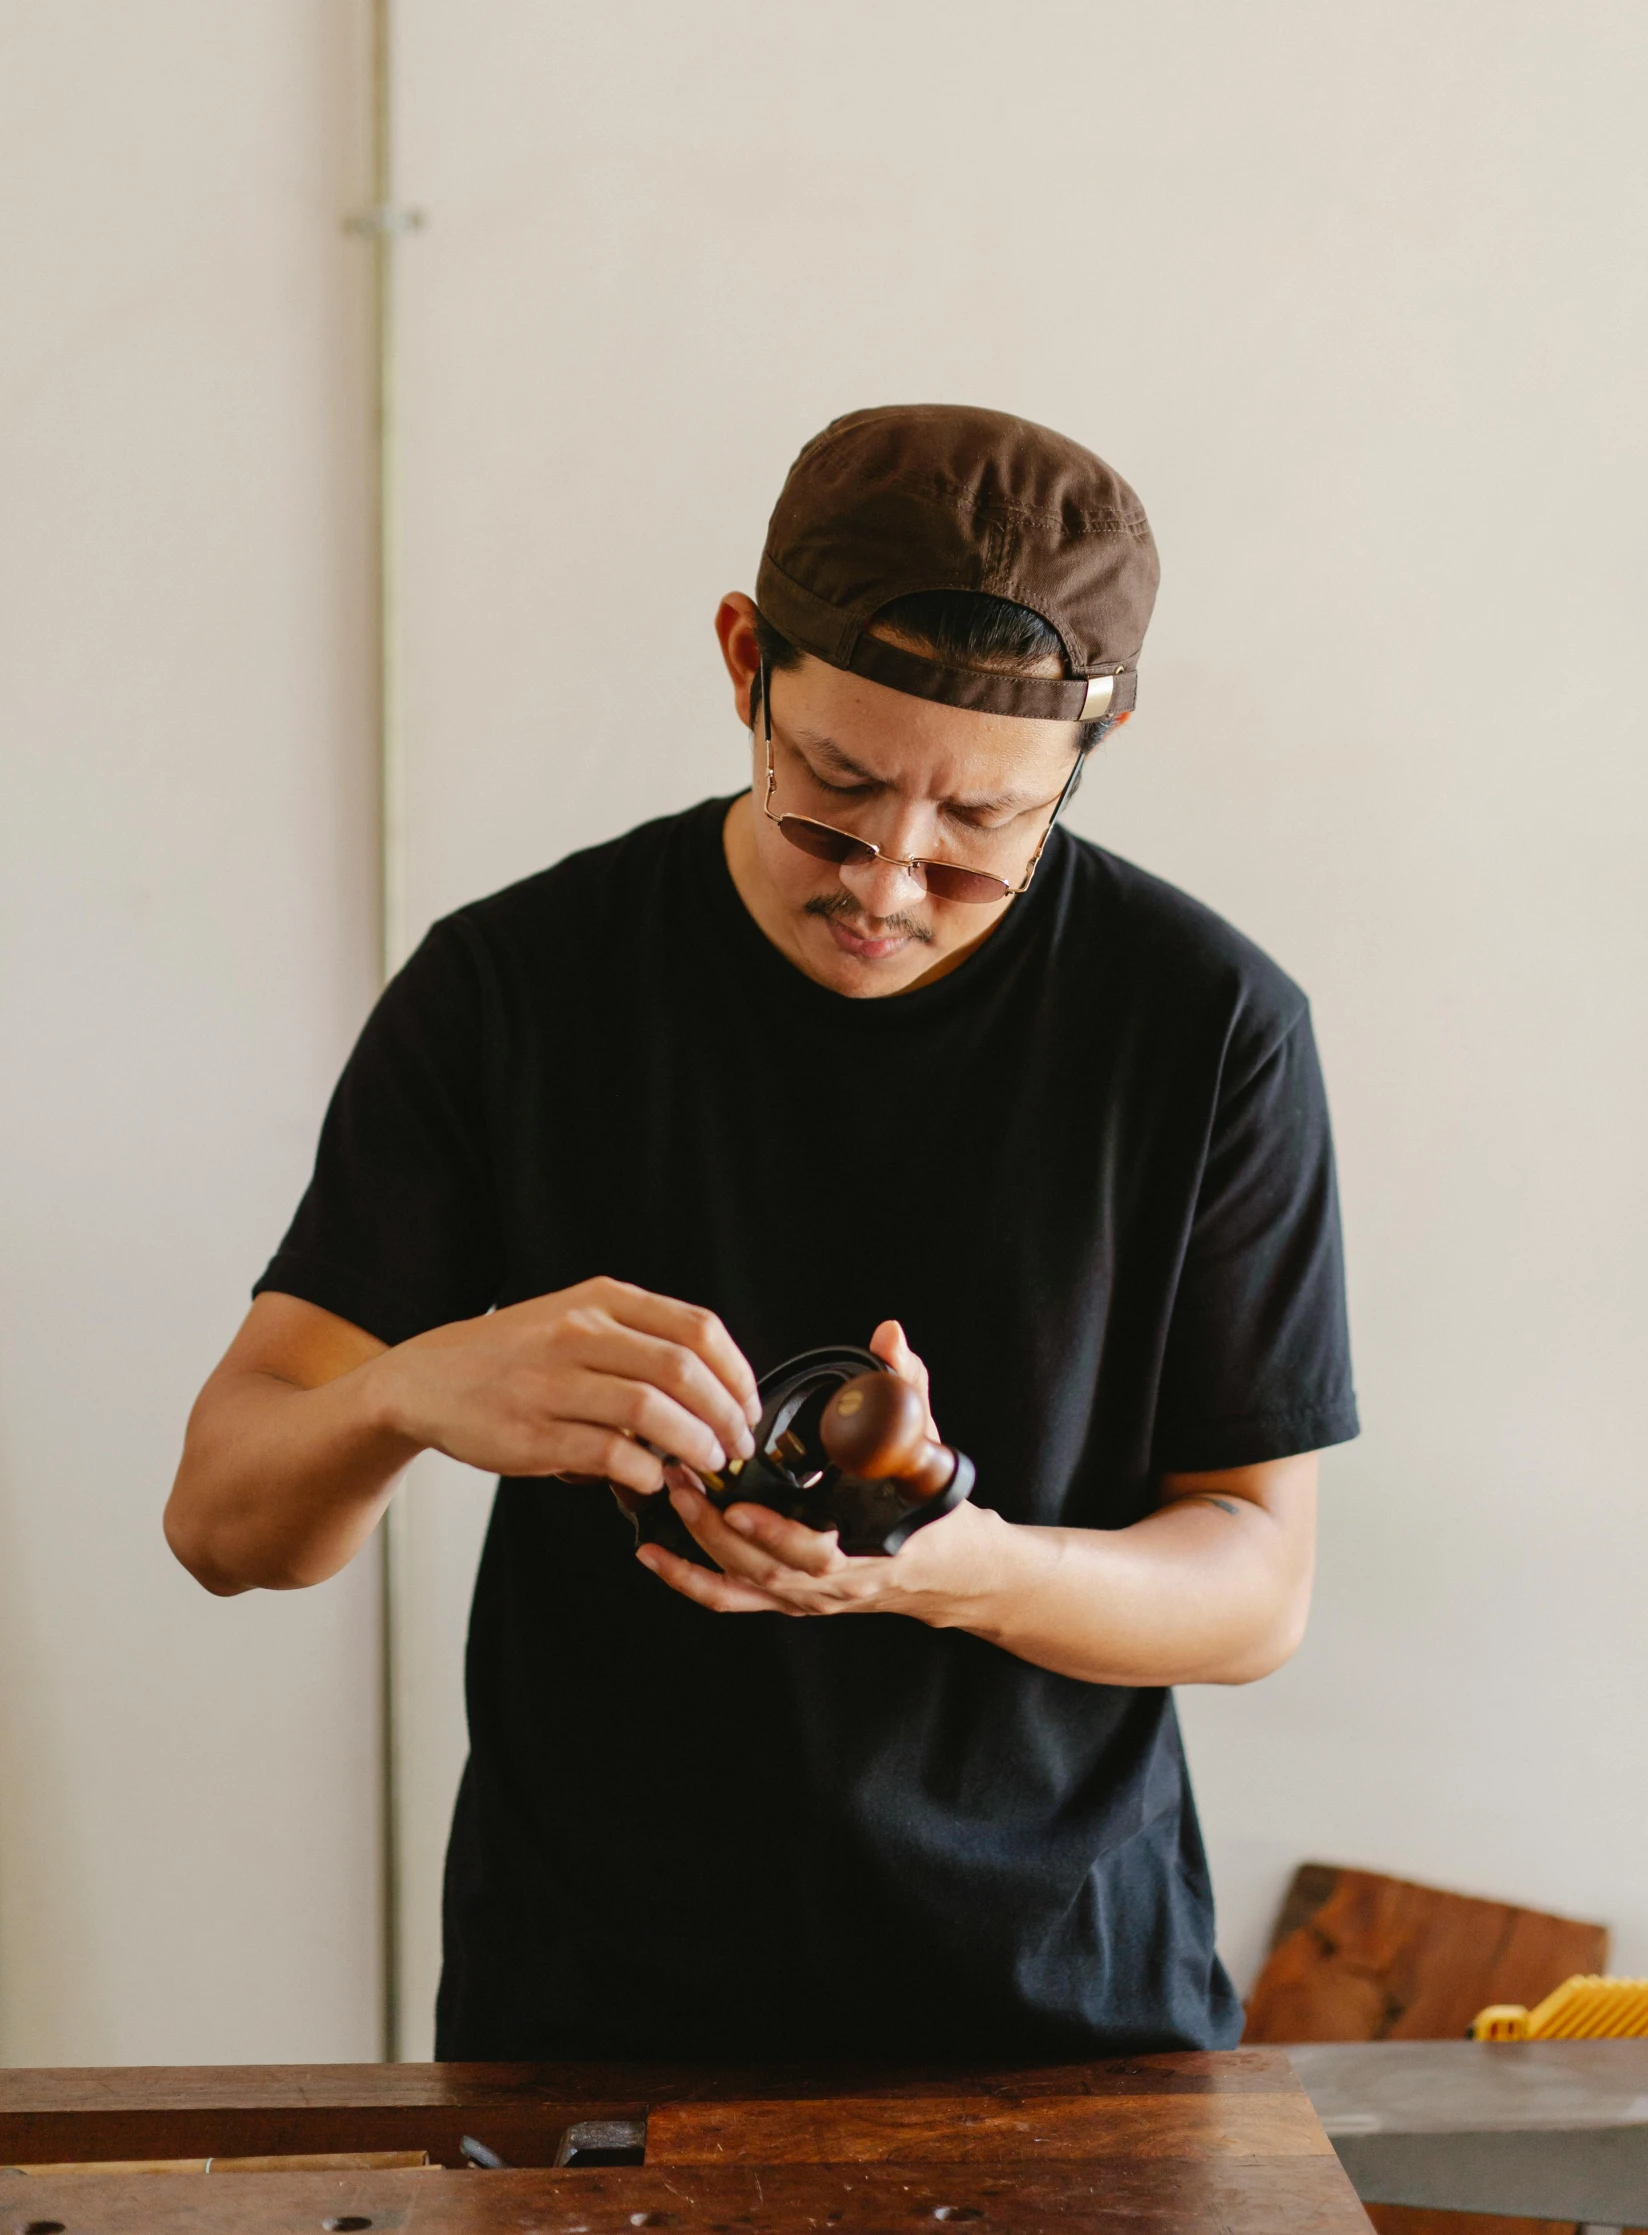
pixel 875 1426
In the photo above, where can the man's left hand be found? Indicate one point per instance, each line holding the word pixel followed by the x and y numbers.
pixel 1211 1588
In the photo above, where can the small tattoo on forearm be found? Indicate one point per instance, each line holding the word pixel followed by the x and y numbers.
pixel 1225 1505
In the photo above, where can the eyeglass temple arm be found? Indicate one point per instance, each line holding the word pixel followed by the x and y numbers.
pixel 1071 784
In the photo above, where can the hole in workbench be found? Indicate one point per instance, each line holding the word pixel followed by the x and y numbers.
pixel 654 2219
pixel 604 2142
pixel 43 2227
pixel 346 2221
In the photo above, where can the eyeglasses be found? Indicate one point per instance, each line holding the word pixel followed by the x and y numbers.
pixel 946 880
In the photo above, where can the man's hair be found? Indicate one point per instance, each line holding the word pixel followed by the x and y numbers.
pixel 963 628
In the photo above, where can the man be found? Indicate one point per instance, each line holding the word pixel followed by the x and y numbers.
pixel 875 1045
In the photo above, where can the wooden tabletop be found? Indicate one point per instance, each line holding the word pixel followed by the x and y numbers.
pixel 1202 2144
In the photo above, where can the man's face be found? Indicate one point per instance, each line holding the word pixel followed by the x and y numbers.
pixel 917 779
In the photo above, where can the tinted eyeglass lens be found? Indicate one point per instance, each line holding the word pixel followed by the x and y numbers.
pixel 951 883
pixel 823 843
pixel 947 880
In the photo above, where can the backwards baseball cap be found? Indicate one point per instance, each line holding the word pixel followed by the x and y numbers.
pixel 920 497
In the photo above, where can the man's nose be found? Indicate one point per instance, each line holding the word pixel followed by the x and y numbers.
pixel 880 887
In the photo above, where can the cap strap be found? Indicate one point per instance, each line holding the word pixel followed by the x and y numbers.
pixel 988 691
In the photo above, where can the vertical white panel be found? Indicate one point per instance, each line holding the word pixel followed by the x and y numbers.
pixel 441 1517
pixel 1353 296
pixel 188 1787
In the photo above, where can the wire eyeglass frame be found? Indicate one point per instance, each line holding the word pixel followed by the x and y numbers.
pixel 861 851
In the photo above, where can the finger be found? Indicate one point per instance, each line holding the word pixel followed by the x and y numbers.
pixel 718 1592
pixel 603 1346
pixel 637 1409
pixel 589 1453
pixel 692 1326
pixel 892 1347
pixel 737 1554
pixel 791 1544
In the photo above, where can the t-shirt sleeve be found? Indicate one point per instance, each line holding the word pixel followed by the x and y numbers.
pixel 1257 1363
pixel 399 1230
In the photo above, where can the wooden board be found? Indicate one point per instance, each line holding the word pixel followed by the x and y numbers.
pixel 1405 2219
pixel 1358 1957
pixel 1200 2145
pixel 520 2110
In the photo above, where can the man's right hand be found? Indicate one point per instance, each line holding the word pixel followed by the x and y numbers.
pixel 566 1384
pixel 298 1437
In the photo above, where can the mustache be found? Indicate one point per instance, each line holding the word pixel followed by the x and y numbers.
pixel 843 905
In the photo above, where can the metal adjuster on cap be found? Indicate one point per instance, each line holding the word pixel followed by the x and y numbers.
pixel 1101 689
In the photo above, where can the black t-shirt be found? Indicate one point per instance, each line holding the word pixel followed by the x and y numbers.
pixel 1090 1171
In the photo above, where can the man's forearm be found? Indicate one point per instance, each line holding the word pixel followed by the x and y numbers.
pixel 1210 1590
pixel 280 1486
pixel 297 1439
pixel 1213 1588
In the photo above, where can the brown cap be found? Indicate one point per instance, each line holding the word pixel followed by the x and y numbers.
pixel 916 497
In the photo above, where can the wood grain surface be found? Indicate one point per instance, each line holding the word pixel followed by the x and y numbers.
pixel 1360 1957
pixel 1201 2145
pixel 519 2110
pixel 1290 2196
pixel 969 2129
pixel 153 2087
pixel 1405 2219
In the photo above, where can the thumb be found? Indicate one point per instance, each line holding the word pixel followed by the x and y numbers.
pixel 890 1345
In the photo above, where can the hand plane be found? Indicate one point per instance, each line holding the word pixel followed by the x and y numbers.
pixel 842 1444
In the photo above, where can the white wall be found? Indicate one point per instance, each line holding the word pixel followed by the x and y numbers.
pixel 188 1787
pixel 1353 296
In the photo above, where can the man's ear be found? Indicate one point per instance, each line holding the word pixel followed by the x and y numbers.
pixel 735 631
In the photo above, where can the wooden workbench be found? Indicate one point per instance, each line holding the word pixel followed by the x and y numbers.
pixel 1199 2144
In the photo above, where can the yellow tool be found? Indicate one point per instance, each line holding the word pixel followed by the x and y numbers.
pixel 1581 2009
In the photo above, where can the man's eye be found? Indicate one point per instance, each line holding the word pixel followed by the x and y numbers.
pixel 843 791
